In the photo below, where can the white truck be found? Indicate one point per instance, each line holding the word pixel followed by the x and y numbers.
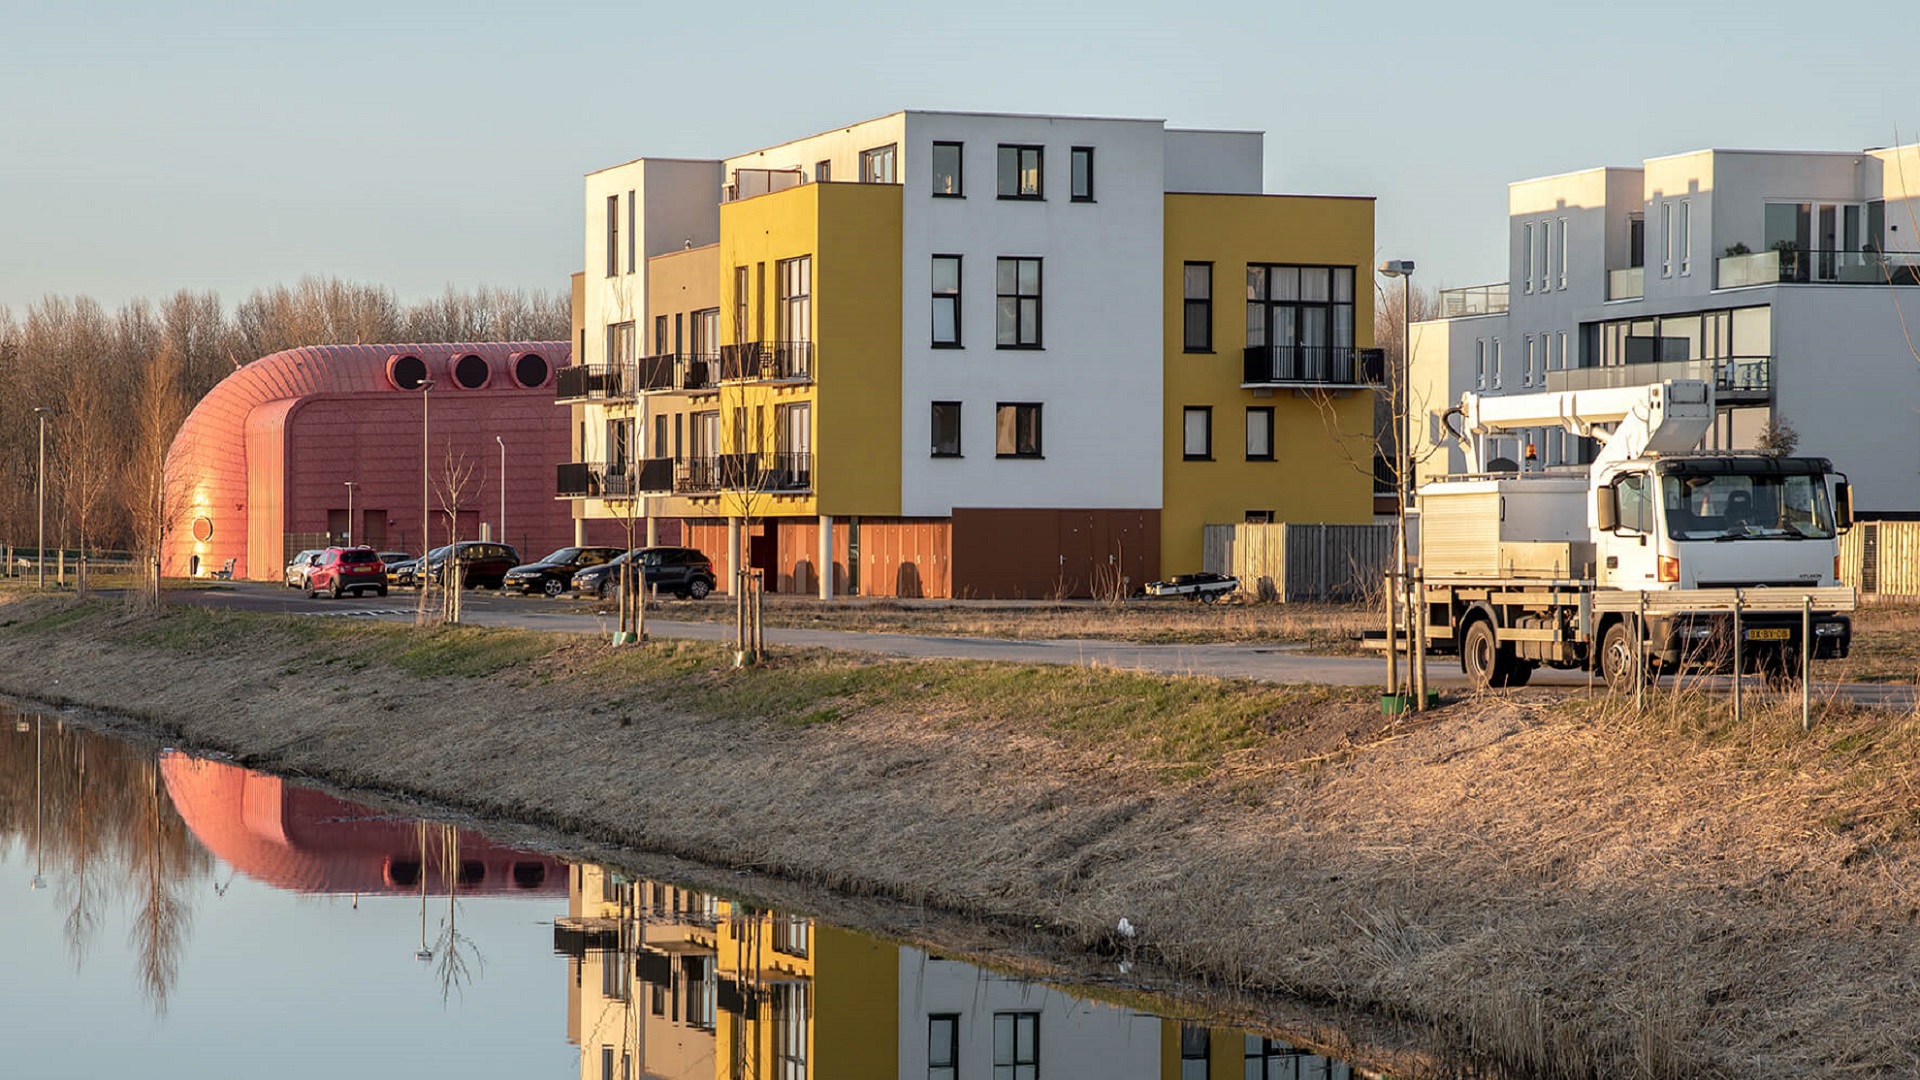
pixel 1652 559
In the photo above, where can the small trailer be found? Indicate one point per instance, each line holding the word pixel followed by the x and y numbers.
pixel 1206 588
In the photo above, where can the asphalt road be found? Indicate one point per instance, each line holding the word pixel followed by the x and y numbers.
pixel 1266 663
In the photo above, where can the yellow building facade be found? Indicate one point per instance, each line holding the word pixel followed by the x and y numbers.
pixel 1270 371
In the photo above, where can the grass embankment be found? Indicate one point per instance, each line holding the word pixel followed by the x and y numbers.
pixel 1549 882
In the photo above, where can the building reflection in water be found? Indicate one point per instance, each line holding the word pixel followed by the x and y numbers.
pixel 672 983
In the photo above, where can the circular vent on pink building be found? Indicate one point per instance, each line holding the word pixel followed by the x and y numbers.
pixel 471 372
pixel 406 372
pixel 531 370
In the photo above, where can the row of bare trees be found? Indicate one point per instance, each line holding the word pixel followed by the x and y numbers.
pixel 119 382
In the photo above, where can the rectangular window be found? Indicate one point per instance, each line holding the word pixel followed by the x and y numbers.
pixel 876 165
pixel 606 1063
pixel 1017 288
pixel 1636 241
pixel 794 303
pixel 1686 236
pixel 659 335
pixel 1546 255
pixel 620 343
pixel 1563 351
pixel 946 301
pixel 1196 426
pixel 1016 1046
pixel 791 934
pixel 1496 363
pixel 793 433
pixel 947 166
pixel 790 1027
pixel 660 436
pixel 1020 172
pixel 1197 288
pixel 618 435
pixel 1259 517
pixel 613 235
pixel 946 429
pixel 1666 239
pixel 1260 433
pixel 1016 430
pixel 740 311
pixel 823 172
pixel 706 332
pixel 1563 253
pixel 1302 317
pixel 1526 370
pixel 1082 187
pixel 703 434
pixel 1480 364
pixel 1527 285
pixel 1196 1045
pixel 943 1046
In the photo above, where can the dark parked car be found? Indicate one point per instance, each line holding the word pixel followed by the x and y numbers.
pixel 553 575
pixel 682 571
pixel 483 564
pixel 390 559
pixel 339 570
pixel 406 574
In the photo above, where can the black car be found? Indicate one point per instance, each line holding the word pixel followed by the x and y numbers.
pixel 483 564
pixel 553 575
pixel 682 571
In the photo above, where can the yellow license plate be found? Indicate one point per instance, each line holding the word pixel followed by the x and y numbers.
pixel 1770 634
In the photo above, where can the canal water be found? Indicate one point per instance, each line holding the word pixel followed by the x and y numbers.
pixel 167 916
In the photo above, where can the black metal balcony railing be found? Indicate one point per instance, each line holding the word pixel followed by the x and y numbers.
pixel 781 472
pixel 590 382
pixel 767 361
pixel 618 480
pixel 696 476
pixel 670 372
pixel 1314 365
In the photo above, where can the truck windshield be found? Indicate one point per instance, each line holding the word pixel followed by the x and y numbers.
pixel 1735 507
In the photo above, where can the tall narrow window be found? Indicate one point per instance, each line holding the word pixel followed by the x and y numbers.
pixel 1496 363
pixel 1260 433
pixel 876 165
pixel 1016 1046
pixel 1197 286
pixel 632 233
pixel 1546 255
pixel 1527 282
pixel 1563 351
pixel 1480 364
pixel 794 305
pixel 1017 292
pixel 613 235
pixel 1196 1045
pixel 620 343
pixel 943 1046
pixel 1082 189
pixel 823 172
pixel 1686 236
pixel 790 1028
pixel 740 324
pixel 1017 430
pixel 1526 370
pixel 1563 252
pixel 1196 428
pixel 947 165
pixel 659 335
pixel 1020 172
pixel 946 301
pixel 946 429
pixel 1666 239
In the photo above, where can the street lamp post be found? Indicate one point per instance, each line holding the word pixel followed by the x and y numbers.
pixel 350 486
pixel 1403 486
pixel 420 575
pixel 40 487
pixel 503 487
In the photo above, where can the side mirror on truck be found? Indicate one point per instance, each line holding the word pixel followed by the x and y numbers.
pixel 1842 505
pixel 1606 508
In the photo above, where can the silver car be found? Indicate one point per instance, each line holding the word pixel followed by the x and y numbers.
pixel 298 566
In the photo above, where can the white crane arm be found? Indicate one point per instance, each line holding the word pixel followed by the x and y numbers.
pixel 1659 418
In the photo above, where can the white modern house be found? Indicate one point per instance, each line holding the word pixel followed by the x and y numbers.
pixel 1791 279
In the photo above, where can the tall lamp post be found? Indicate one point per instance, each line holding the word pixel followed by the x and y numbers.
pixel 1403 487
pixel 40 487
pixel 503 487
pixel 420 575
pixel 350 486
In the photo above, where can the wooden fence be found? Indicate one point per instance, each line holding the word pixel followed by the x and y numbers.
pixel 1881 559
pixel 1295 562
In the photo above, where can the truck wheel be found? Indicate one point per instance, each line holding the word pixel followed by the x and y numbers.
pixel 1622 662
pixel 1480 657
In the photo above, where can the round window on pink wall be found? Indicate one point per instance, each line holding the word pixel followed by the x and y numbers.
pixel 530 370
pixel 406 372
pixel 471 372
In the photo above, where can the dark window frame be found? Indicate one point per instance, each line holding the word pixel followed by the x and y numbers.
pixel 1074 158
pixel 959 289
pixel 951 1066
pixel 890 153
pixel 1038 297
pixel 1016 1017
pixel 933 415
pixel 1206 453
pixel 1039 450
pixel 1019 152
pixel 1188 309
pixel 959 169
pixel 613 235
pixel 1332 307
pixel 1269 455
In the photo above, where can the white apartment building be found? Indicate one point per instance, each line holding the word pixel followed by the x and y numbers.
pixel 1788 278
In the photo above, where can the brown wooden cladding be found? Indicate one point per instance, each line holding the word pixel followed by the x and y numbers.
pixel 1053 553
pixel 907 557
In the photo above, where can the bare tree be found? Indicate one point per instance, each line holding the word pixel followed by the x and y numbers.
pixel 158 411
pixel 455 483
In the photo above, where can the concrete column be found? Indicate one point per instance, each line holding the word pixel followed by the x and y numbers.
pixel 733 553
pixel 653 529
pixel 579 533
pixel 826 556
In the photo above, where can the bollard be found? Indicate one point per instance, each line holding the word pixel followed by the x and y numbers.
pixel 1806 664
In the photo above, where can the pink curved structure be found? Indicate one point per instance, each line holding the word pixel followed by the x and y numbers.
pixel 270 451
pixel 301 840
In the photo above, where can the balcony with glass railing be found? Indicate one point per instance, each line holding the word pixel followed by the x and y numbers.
pixel 1324 366
pixel 1737 380
pixel 1792 266
pixel 1629 283
pixel 1473 300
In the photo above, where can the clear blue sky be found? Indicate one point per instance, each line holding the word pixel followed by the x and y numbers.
pixel 147 146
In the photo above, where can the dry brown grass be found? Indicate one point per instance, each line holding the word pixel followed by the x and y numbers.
pixel 1549 882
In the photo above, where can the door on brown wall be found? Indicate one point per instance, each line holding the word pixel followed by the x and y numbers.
pixel 763 554
pixel 373 529
pixel 337 526
pixel 1076 530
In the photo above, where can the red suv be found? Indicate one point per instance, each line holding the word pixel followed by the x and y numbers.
pixel 342 570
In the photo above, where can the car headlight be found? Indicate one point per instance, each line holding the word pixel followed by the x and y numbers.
pixel 1697 632
pixel 1829 629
